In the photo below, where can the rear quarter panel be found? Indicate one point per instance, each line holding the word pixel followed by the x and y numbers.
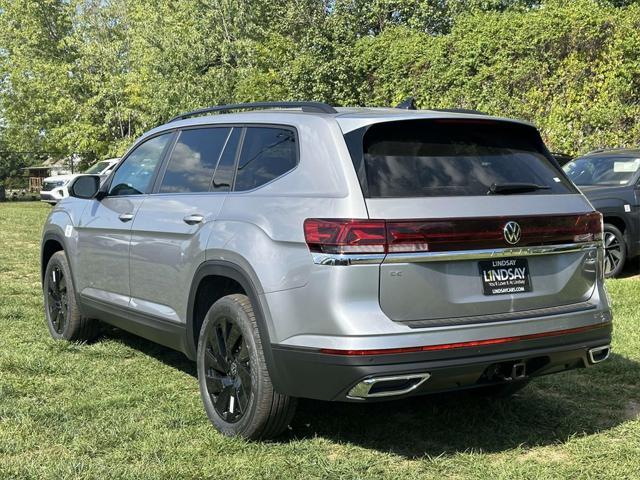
pixel 262 230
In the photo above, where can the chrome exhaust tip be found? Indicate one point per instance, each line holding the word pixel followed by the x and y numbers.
pixel 599 354
pixel 387 386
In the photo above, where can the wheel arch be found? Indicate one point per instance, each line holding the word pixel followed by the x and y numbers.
pixel 236 275
pixel 616 221
pixel 51 243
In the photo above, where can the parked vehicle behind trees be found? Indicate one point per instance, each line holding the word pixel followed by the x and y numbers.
pixel 339 254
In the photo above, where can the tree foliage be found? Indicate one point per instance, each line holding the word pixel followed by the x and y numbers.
pixel 88 76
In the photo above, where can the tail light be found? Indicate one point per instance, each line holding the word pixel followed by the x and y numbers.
pixel 407 236
pixel 589 227
pixel 345 236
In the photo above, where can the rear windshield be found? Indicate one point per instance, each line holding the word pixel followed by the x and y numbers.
pixel 435 158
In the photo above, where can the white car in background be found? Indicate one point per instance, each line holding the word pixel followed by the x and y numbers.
pixel 54 189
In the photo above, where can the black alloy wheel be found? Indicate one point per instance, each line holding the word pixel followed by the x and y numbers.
pixel 57 299
pixel 64 320
pixel 235 384
pixel 228 370
pixel 615 251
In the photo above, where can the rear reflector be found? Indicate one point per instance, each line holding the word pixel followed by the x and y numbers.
pixel 452 346
pixel 406 236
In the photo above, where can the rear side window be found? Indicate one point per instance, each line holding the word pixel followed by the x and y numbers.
pixel 267 153
pixel 193 160
pixel 433 158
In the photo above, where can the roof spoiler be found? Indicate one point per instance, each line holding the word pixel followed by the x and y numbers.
pixel 408 104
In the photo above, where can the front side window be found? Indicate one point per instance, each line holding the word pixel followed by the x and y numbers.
pixel 136 172
pixel 602 170
pixel 193 160
pixel 267 153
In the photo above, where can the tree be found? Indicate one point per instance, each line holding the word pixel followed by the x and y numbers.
pixel 88 76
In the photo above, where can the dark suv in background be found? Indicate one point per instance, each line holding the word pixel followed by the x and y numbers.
pixel 610 179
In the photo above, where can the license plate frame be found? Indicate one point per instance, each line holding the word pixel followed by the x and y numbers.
pixel 505 276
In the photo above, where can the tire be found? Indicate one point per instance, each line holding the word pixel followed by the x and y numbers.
pixel 615 249
pixel 61 310
pixel 235 385
pixel 503 390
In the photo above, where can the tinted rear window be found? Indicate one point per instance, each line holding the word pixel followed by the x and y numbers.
pixel 267 153
pixel 433 158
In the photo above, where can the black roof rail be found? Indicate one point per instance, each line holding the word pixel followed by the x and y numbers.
pixel 317 107
pixel 597 150
pixel 459 110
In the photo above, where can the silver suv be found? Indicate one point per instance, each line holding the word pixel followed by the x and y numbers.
pixel 347 254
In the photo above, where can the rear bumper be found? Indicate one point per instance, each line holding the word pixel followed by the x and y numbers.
pixel 308 373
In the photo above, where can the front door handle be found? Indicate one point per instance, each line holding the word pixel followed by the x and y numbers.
pixel 193 219
pixel 126 217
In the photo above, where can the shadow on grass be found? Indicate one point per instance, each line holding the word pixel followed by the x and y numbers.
pixel 549 411
pixel 163 354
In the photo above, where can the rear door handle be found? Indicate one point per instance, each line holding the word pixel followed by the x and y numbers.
pixel 126 217
pixel 193 219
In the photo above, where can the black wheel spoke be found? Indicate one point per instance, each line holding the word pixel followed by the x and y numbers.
pixel 242 399
pixel 613 252
pixel 214 381
pixel 608 238
pixel 57 299
pixel 227 372
pixel 220 339
pixel 244 386
pixel 222 401
pixel 243 353
pixel 53 293
pixel 51 299
pixel 234 338
pixel 213 359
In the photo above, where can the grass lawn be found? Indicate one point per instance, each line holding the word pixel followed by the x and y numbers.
pixel 126 408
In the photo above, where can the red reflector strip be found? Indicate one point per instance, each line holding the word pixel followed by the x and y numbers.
pixel 452 346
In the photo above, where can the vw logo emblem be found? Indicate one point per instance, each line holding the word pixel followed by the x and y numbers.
pixel 512 232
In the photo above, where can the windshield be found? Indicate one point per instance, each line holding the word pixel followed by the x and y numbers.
pixel 447 157
pixel 602 170
pixel 98 167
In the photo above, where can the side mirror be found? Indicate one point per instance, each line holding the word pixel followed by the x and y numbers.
pixel 85 186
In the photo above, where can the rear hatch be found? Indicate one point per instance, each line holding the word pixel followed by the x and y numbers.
pixel 481 224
